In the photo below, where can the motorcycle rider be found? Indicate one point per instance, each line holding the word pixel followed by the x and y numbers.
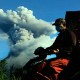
pixel 63 46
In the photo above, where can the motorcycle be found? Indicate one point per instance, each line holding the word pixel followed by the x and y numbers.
pixel 38 68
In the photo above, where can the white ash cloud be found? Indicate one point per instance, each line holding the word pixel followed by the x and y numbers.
pixel 26 33
pixel 3 36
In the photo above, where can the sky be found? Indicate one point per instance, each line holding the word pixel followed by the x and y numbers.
pixel 4 45
pixel 47 10
pixel 4 49
pixel 19 20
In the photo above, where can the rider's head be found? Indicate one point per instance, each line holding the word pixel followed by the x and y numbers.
pixel 60 24
pixel 40 51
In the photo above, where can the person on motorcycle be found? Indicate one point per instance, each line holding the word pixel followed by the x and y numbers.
pixel 63 46
pixel 31 70
pixel 37 68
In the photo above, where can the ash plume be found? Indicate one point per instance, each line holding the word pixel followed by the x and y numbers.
pixel 26 33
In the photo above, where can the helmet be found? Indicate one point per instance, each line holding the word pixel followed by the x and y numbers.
pixel 39 51
pixel 59 21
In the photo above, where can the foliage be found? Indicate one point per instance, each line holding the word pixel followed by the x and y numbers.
pixel 4 74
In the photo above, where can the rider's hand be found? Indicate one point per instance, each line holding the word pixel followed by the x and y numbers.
pixel 56 51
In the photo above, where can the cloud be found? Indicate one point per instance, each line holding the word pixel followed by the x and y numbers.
pixel 26 33
pixel 3 36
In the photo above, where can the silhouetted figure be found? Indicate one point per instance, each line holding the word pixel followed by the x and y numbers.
pixel 72 72
pixel 34 65
pixel 64 43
